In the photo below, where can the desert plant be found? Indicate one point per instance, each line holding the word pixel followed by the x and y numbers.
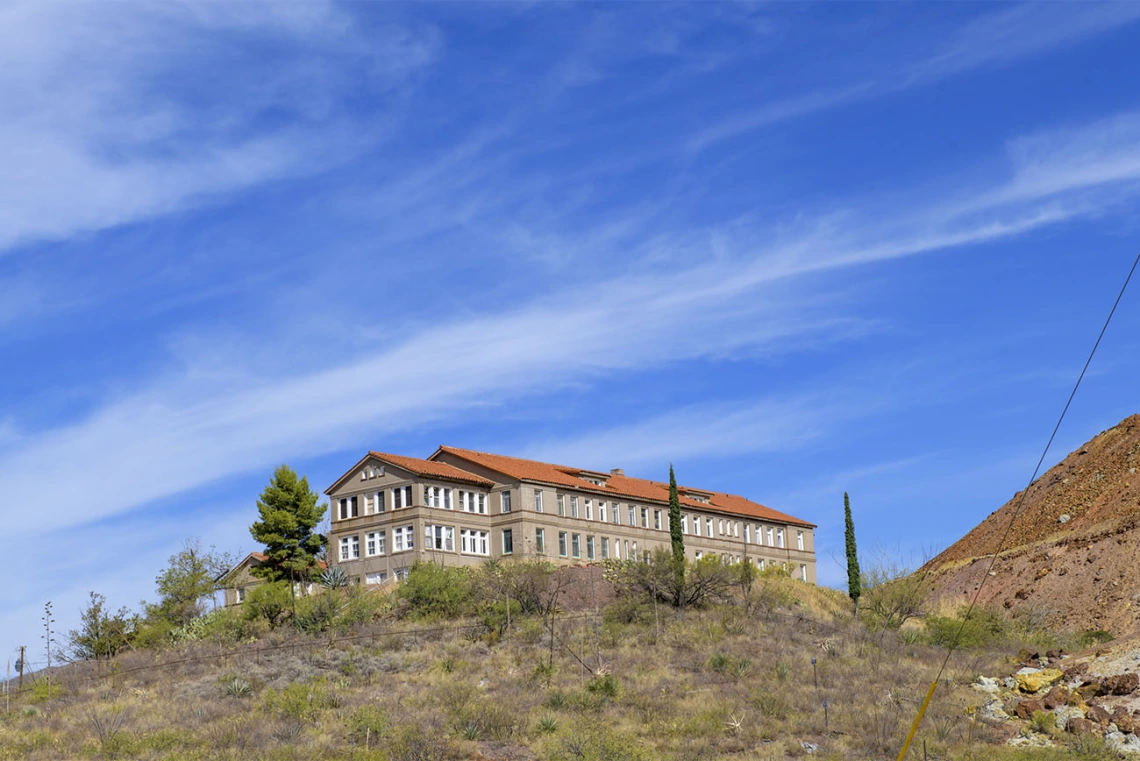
pixel 434 590
pixel 334 578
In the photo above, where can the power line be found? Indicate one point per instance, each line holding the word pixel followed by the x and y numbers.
pixel 1016 511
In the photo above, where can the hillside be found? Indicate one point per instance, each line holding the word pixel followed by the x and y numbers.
pixel 1071 553
pixel 636 682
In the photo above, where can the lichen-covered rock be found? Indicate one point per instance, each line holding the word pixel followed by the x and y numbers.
pixel 1056 697
pixel 1122 743
pixel 1098 714
pixel 1121 684
pixel 1033 680
pixel 993 712
pixel 1066 714
pixel 985 684
pixel 1123 720
pixel 1026 708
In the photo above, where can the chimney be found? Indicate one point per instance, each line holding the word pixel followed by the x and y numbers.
pixel 617 472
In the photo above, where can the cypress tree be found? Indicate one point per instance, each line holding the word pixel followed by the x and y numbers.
pixel 678 540
pixel 854 588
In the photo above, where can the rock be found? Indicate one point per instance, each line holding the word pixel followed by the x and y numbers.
pixel 1056 697
pixel 1090 690
pixel 1067 714
pixel 1081 727
pixel 1065 518
pixel 809 748
pixel 1009 683
pixel 993 712
pixel 1121 684
pixel 1030 741
pixel 1122 743
pixel 1123 720
pixel 985 684
pixel 1032 680
pixel 1026 708
pixel 1099 715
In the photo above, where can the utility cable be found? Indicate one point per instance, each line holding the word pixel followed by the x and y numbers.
pixel 1016 511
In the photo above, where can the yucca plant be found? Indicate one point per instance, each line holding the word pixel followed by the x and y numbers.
pixel 334 578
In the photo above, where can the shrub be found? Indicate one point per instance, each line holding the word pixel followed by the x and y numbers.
pixel 301 701
pixel 317 613
pixel 1092 637
pixel 891 597
pixel 436 590
pixel 981 628
pixel 603 685
pixel 270 602
pixel 235 687
pixel 367 725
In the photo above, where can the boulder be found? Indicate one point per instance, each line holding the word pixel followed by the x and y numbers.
pixel 1055 697
pixel 993 712
pixel 1123 720
pixel 1032 680
pixel 1099 715
pixel 1121 684
pixel 1122 743
pixel 1067 714
pixel 1026 708
pixel 985 684
pixel 1081 727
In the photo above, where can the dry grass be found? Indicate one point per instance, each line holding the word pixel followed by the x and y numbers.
pixel 704 684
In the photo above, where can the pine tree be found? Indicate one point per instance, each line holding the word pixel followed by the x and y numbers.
pixel 854 588
pixel 289 519
pixel 678 540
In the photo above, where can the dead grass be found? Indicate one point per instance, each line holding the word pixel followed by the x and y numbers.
pixel 684 686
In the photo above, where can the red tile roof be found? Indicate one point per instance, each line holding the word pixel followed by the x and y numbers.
pixel 616 485
pixel 432 469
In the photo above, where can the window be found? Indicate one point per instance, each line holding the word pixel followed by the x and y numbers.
pixel 748 533
pixel 589 509
pixel 632 510
pixel 505 502
pixel 374 544
pixel 437 496
pixel 605 548
pixel 576 544
pixel 721 527
pixel 697 555
pixel 645 517
pixel 402 497
pixel 800 540
pixel 657 519
pixel 349 548
pixel 803 572
pixel 400 574
pixel 508 542
pixel 540 541
pixel 561 504
pixel 376 578
pixel 473 502
pixel 474 542
pixel 403 539
pixel 684 524
pixel 780 538
pixel 241 594
pixel 562 543
pixel 627 549
pixel 348 508
pixel 770 542
pixel 736 528
pixel 573 507
pixel 709 527
pixel 439 538
pixel 602 511
pixel 634 555
pixel 615 513
pixel 589 548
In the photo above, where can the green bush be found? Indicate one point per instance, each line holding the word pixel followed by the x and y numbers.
pixel 270 602
pixel 317 613
pixel 302 701
pixel 1094 637
pixel 982 628
pixel 367 725
pixel 433 590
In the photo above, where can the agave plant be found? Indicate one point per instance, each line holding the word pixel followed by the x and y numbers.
pixel 334 578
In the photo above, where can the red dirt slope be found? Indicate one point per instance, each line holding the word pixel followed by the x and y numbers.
pixel 1075 547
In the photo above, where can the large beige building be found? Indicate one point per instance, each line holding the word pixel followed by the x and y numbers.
pixel 459 507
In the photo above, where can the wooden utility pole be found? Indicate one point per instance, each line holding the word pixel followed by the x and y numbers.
pixel 21 669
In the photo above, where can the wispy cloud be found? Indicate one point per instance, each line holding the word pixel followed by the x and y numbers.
pixel 188 428
pixel 994 38
pixel 99 106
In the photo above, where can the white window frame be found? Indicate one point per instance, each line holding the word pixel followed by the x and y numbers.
pixel 474 542
pixel 375 543
pixel 576 545
pixel 605 548
pixel 770 532
pixel 589 509
pixel 375 578
pixel 403 538
pixel 645 517
pixel 632 515
pixel 780 538
pixel 615 514
pixel 709 528
pixel 573 506
pixel 505 501
pixel 349 548
pixel 601 511
pixel 439 538
pixel 562 505
pixel 540 541
pixel 563 544
pixel 657 519
pixel 800 542
pixel 590 547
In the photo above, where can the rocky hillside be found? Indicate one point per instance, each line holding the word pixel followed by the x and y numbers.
pixel 1073 548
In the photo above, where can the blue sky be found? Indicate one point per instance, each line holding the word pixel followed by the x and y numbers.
pixel 793 249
